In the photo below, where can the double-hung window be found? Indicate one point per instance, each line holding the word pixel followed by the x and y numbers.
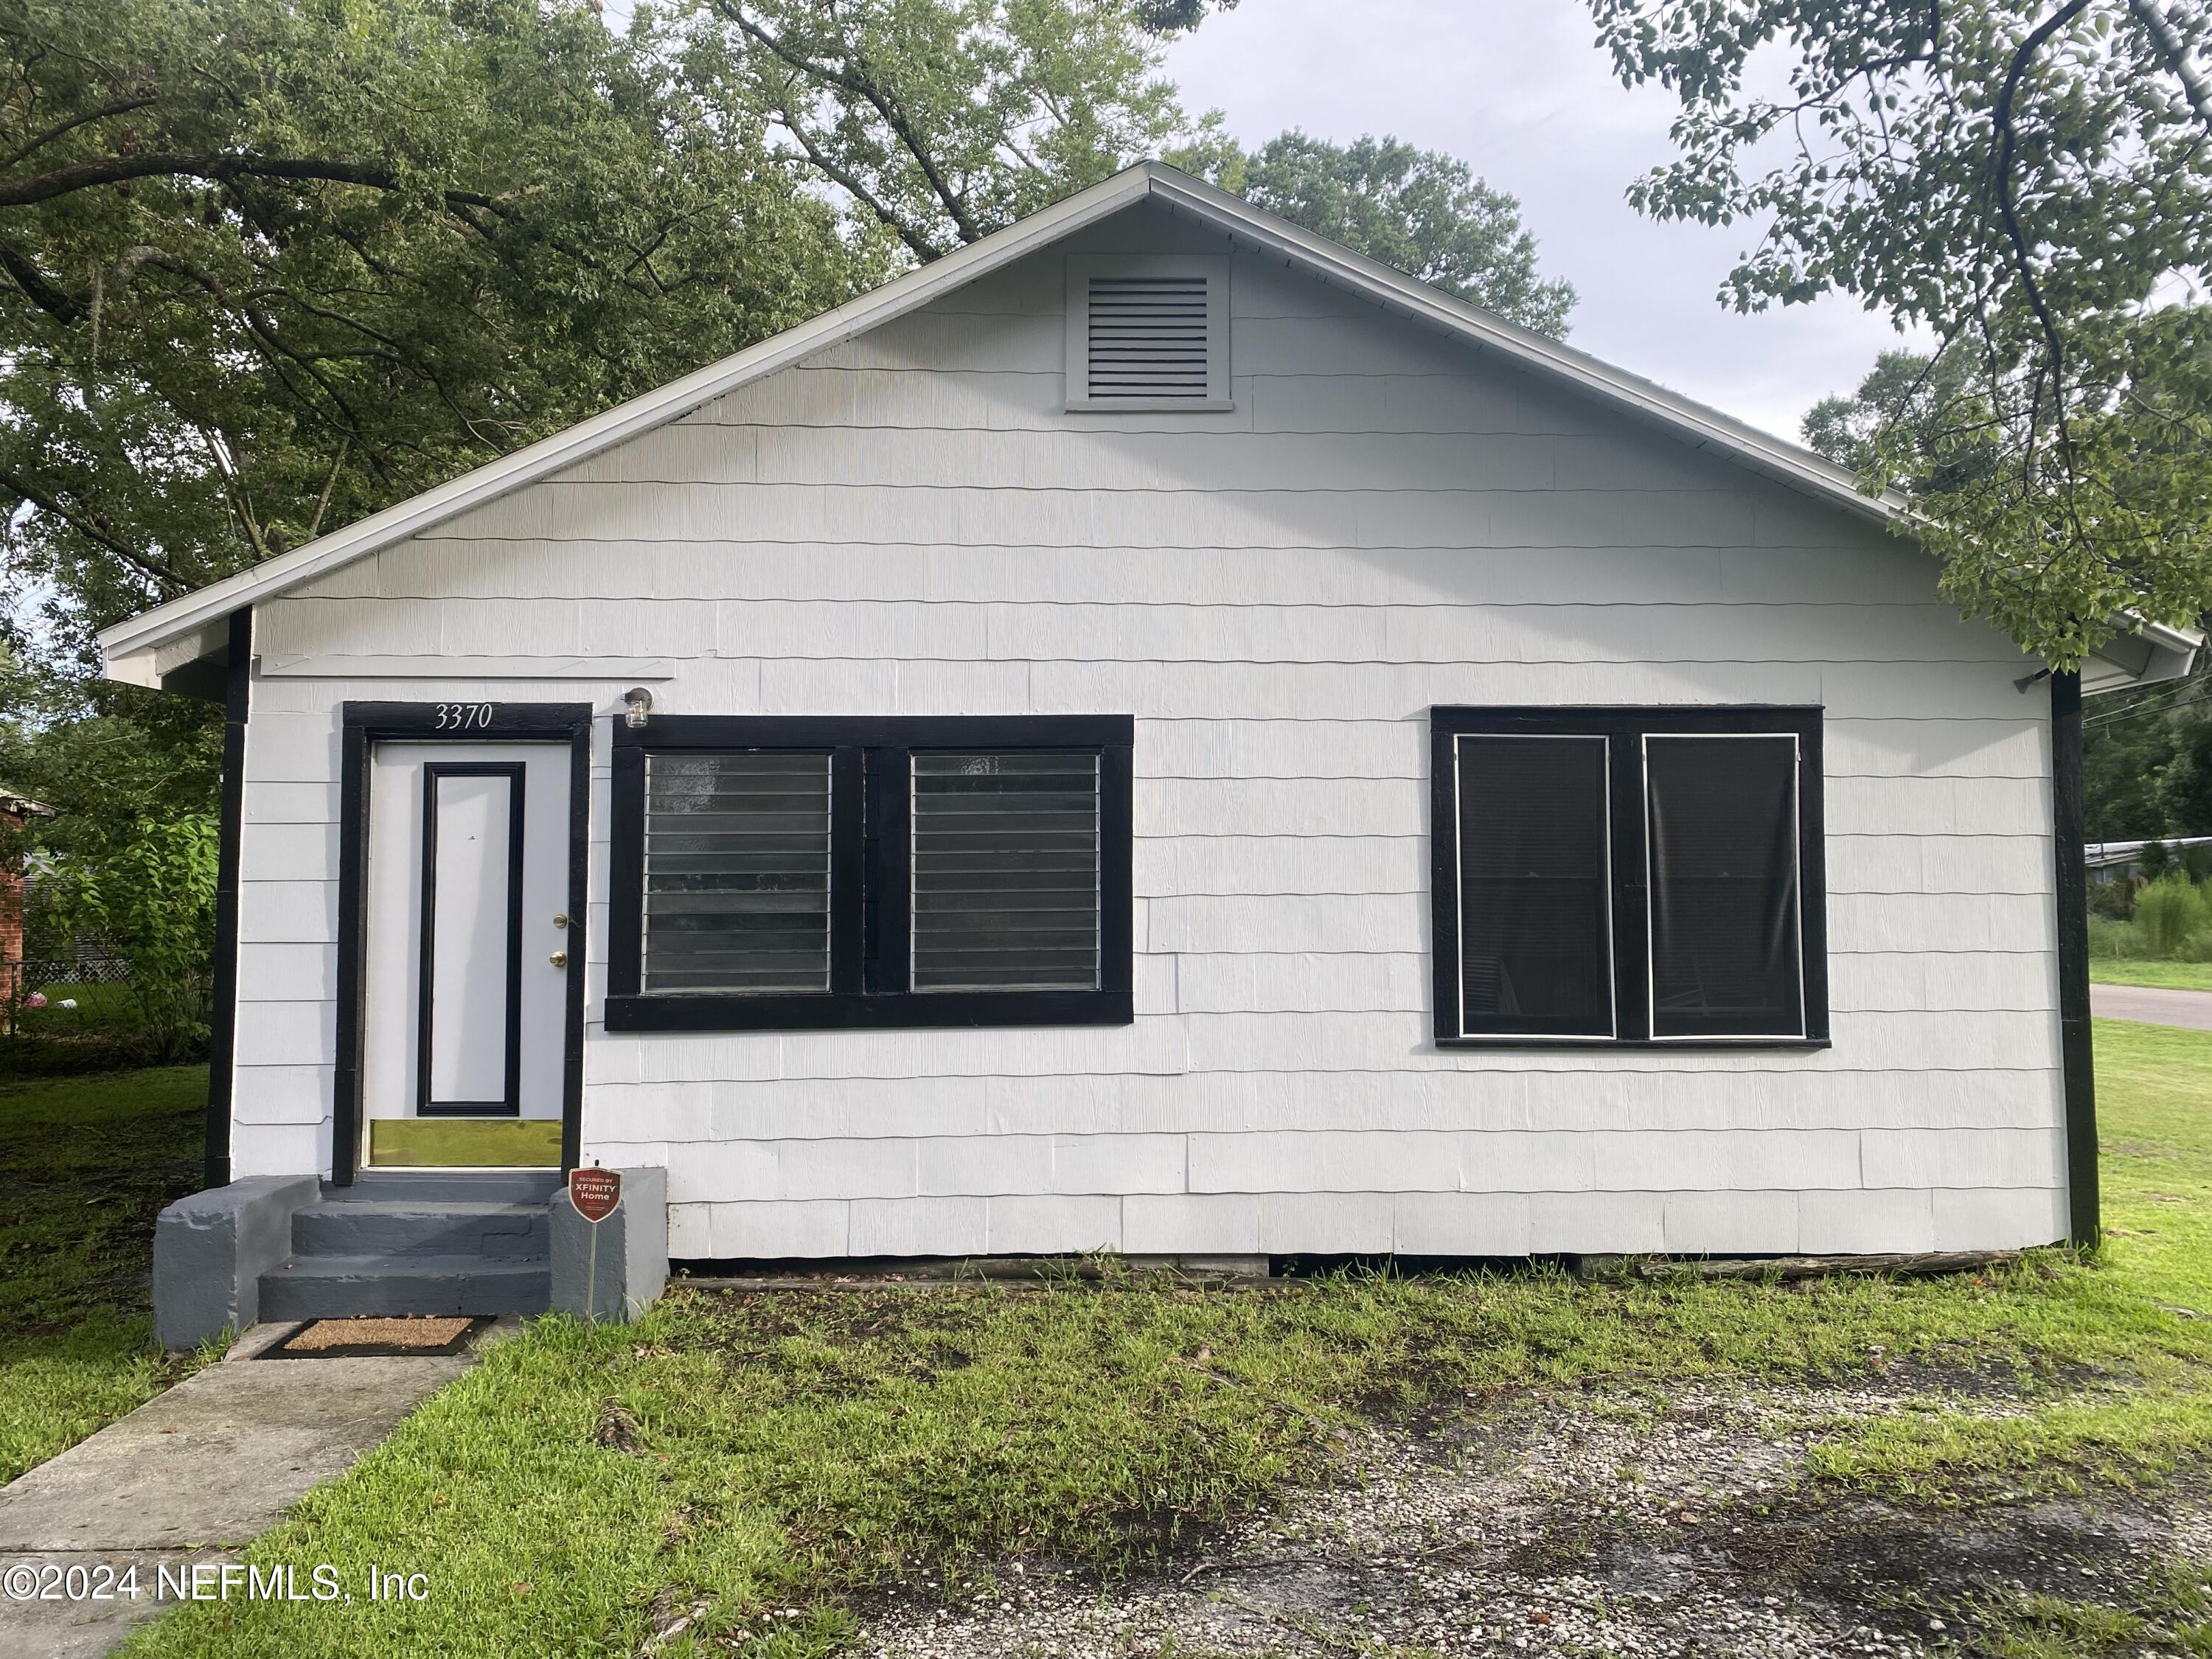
pixel 1628 876
pixel 799 874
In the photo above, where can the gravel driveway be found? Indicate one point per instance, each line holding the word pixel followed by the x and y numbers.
pixel 1580 1525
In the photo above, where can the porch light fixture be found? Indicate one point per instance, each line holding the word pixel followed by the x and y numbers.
pixel 640 704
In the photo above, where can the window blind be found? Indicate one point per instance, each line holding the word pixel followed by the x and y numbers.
pixel 1005 872
pixel 1535 933
pixel 737 873
pixel 1725 958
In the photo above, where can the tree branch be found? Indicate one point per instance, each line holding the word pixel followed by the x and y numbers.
pixel 2008 210
pixel 120 106
pixel 63 308
pixel 2175 51
pixel 223 169
pixel 863 86
pixel 24 489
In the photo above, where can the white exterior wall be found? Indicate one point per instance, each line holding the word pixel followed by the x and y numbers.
pixel 909 524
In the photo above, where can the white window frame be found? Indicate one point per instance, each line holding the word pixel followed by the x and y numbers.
pixel 1081 268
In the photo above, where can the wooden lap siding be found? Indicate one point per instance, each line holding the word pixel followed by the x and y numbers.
pixel 909 524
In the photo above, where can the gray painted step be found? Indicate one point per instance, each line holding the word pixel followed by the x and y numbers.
pixel 451 1185
pixel 346 1286
pixel 362 1226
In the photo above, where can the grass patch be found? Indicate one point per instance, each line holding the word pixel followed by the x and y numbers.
pixel 2154 1102
pixel 2144 970
pixel 86 1163
pixel 772 1455
pixel 2171 1611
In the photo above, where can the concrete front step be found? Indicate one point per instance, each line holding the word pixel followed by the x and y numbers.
pixel 451 1185
pixel 363 1226
pixel 347 1287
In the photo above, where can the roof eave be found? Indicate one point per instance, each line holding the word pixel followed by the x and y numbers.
pixel 134 650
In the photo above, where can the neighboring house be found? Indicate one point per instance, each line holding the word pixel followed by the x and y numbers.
pixel 1154 733
pixel 16 813
pixel 2122 861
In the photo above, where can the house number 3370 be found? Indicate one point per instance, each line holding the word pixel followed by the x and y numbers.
pixel 463 716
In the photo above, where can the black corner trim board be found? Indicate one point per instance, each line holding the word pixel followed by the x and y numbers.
pixel 222 1012
pixel 869 866
pixel 1632 1024
pixel 2076 1057
pixel 362 726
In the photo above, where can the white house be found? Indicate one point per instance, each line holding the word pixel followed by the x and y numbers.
pixel 1154 733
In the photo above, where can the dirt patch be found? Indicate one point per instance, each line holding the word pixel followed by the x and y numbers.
pixel 1588 1524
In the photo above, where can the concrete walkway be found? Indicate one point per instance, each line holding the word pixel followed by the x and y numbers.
pixel 2152 1005
pixel 191 1476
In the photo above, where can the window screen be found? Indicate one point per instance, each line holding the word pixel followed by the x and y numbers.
pixel 1535 938
pixel 737 873
pixel 1005 872
pixel 1725 956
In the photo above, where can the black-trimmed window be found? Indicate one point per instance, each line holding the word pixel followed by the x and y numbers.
pixel 1628 876
pixel 803 874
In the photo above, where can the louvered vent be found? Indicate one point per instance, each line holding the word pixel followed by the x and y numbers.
pixel 737 873
pixel 1005 872
pixel 1150 338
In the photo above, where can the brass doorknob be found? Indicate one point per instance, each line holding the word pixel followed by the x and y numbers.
pixel 559 959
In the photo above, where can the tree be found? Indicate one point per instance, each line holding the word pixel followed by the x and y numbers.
pixel 264 267
pixel 1905 393
pixel 941 121
pixel 1422 211
pixel 146 887
pixel 2033 186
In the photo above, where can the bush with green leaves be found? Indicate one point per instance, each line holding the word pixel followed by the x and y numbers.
pixel 146 885
pixel 2168 911
pixel 2111 937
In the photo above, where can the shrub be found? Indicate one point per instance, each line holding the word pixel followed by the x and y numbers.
pixel 2167 911
pixel 2115 899
pixel 147 887
pixel 2197 947
pixel 2110 937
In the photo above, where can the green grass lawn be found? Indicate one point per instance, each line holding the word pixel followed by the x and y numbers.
pixel 2168 975
pixel 85 1165
pixel 782 1451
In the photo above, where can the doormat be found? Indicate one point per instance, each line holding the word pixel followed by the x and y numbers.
pixel 368 1338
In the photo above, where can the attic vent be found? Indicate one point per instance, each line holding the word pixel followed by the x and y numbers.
pixel 1147 332
pixel 1148 336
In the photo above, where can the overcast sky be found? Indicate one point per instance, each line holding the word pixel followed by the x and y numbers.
pixel 1518 89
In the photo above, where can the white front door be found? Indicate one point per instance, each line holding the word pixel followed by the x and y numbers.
pixel 465 980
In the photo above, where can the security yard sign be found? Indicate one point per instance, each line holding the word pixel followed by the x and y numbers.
pixel 595 1193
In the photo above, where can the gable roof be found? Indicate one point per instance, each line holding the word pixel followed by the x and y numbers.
pixel 156 642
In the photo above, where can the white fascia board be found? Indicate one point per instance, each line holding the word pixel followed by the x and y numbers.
pixel 2140 653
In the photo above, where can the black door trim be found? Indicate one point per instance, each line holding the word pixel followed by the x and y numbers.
pixel 362 726
pixel 509 1104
